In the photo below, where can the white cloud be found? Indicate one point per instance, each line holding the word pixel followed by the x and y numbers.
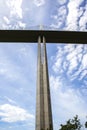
pixel 61 2
pixel 13 70
pixel 72 60
pixel 83 74
pixel 73 64
pixel 84 61
pixel 58 63
pixel 7 70
pixel 3 71
pixel 72 18
pixel 77 16
pixel 10 113
pixel 39 2
pixel 15 7
pixel 9 100
pixel 59 17
pixel 7 21
pixel 12 15
pixel 66 101
pixel 21 24
pixel 69 48
pixel 83 20
pixel 55 82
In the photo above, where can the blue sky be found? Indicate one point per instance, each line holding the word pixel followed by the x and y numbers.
pixel 18 61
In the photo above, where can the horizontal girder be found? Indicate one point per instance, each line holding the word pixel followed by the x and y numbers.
pixel 31 36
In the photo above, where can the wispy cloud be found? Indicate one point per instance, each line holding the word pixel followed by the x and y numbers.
pixel 72 60
pixel 12 68
pixel 59 17
pixel 10 113
pixel 18 75
pixel 15 7
pixel 61 2
pixel 12 17
pixel 83 18
pixel 7 21
pixel 9 100
pixel 73 14
pixel 68 98
pixel 68 82
pixel 39 2
pixel 74 18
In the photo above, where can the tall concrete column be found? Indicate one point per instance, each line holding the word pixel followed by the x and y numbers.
pixel 39 94
pixel 46 88
pixel 43 101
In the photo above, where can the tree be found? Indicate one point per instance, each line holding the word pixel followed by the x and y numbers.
pixel 86 124
pixel 72 124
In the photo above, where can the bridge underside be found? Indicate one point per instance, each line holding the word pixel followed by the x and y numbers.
pixel 31 36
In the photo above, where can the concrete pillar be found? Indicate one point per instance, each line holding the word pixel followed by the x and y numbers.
pixel 39 94
pixel 47 98
pixel 43 101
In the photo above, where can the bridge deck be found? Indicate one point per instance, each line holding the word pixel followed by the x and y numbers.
pixel 31 36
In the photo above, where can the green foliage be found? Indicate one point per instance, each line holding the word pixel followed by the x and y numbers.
pixel 72 124
pixel 86 124
pixel 41 129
